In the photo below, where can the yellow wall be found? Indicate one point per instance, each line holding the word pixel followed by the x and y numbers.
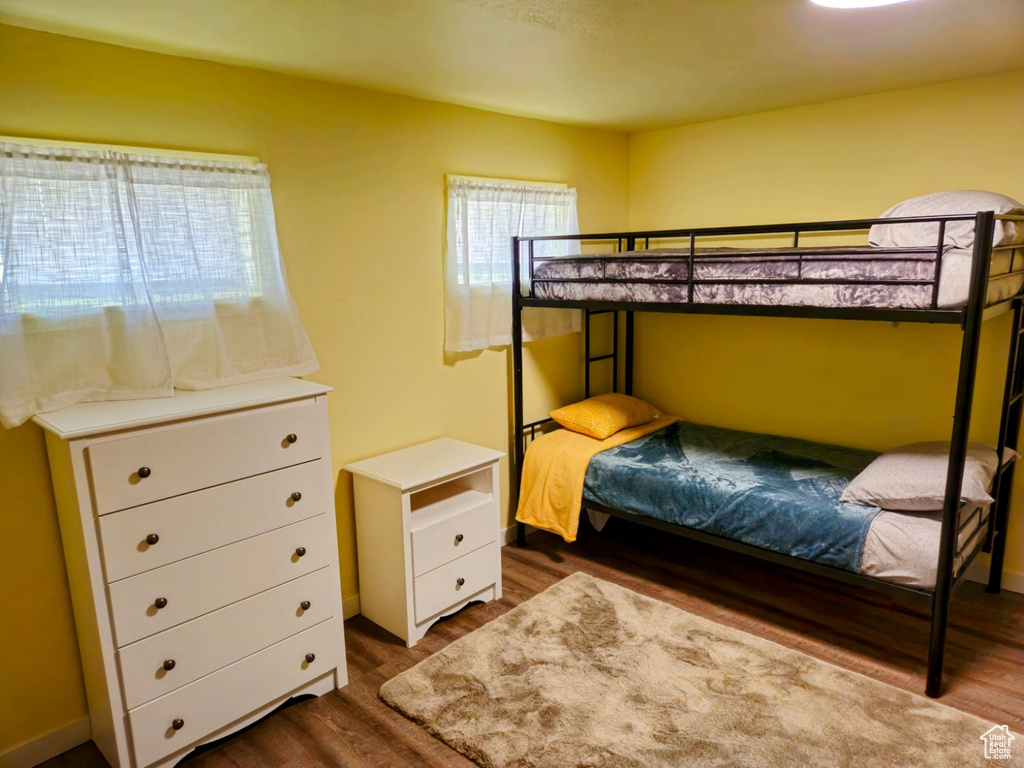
pixel 358 186
pixel 861 384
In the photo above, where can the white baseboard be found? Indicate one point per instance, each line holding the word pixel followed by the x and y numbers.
pixel 42 748
pixel 1013 581
pixel 350 607
pixel 508 535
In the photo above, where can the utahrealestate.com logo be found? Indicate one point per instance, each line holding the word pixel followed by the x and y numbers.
pixel 997 742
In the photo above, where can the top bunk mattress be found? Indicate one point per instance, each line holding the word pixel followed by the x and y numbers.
pixel 843 276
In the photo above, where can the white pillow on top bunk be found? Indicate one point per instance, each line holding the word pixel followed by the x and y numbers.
pixel 959 234
pixel 912 478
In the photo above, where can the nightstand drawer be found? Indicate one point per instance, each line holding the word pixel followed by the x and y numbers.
pixel 448 585
pixel 131 471
pixel 206 582
pixel 204 520
pixel 448 539
pixel 213 641
pixel 221 698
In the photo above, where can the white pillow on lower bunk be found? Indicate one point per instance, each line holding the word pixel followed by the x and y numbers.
pixel 912 478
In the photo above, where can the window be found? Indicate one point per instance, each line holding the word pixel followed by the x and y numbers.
pixel 483 216
pixel 125 275
pixel 67 220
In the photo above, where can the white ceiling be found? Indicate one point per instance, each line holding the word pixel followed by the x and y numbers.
pixel 624 64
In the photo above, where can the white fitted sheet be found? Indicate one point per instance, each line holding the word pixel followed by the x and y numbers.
pixel 901 547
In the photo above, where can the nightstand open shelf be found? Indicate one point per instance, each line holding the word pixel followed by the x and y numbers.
pixel 450 498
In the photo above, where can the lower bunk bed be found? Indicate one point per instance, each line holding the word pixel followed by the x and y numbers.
pixel 780 499
pixel 776 494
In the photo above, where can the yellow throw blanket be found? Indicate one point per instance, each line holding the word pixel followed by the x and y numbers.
pixel 556 464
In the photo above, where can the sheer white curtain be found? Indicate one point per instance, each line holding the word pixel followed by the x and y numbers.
pixel 123 276
pixel 482 219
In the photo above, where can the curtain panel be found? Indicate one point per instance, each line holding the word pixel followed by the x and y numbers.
pixel 482 219
pixel 125 276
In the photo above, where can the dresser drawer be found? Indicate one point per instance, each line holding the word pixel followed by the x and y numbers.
pixel 440 589
pixel 445 540
pixel 204 520
pixel 203 453
pixel 214 579
pixel 223 697
pixel 213 641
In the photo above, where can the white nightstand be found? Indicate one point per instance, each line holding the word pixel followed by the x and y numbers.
pixel 427 533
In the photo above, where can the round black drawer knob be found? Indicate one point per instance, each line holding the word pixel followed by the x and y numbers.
pixel 300 551
pixel 296 496
pixel 459 581
pixel 292 439
pixel 304 605
pixel 310 658
pixel 177 724
pixel 160 602
pixel 152 539
pixel 144 472
pixel 168 665
pixel 458 538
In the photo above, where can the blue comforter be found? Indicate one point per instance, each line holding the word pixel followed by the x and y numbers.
pixel 778 493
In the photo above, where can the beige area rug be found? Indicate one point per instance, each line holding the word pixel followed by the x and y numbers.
pixel 588 673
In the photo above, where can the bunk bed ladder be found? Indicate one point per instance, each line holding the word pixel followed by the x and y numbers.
pixel 590 358
pixel 1009 432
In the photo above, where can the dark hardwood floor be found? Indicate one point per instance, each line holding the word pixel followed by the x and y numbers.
pixel 847 626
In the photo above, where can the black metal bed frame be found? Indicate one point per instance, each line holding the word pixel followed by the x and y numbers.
pixel 969 318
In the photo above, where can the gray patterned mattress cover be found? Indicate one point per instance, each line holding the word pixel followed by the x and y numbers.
pixel 850 276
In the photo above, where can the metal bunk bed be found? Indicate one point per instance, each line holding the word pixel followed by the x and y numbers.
pixel 969 318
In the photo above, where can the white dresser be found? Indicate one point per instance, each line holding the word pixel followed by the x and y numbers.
pixel 201 545
pixel 427 532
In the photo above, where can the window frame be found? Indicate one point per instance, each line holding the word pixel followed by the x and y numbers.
pixel 130 149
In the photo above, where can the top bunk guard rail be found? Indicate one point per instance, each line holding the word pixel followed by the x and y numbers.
pixel 799 258
pixel 844 225
pixel 781 257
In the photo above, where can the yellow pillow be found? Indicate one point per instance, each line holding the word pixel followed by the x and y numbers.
pixel 604 415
